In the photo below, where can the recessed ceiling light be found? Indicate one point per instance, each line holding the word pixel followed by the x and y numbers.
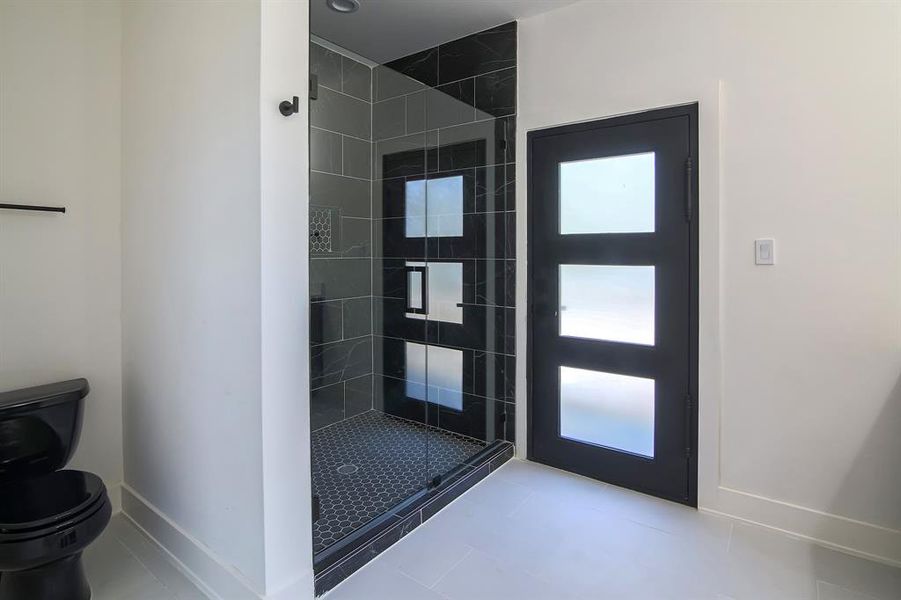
pixel 343 6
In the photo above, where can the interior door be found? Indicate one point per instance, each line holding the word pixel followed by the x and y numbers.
pixel 613 300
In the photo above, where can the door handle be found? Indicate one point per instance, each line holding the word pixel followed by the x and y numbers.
pixel 421 307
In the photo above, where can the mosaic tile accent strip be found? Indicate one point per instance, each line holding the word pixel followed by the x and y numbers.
pixel 365 465
pixel 320 230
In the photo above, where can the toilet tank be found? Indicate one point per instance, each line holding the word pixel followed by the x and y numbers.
pixel 39 427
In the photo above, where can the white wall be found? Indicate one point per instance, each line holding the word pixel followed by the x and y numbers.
pixel 191 273
pixel 800 133
pixel 60 274
pixel 215 291
pixel 285 290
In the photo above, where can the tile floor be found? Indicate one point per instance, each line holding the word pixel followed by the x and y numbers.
pixel 531 532
pixel 123 564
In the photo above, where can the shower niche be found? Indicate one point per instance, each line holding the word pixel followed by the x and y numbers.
pixel 412 278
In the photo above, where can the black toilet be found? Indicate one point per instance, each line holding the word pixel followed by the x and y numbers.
pixel 47 516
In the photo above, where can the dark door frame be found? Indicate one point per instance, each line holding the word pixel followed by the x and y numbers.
pixel 691 111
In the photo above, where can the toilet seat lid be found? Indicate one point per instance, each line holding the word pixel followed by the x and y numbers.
pixel 41 501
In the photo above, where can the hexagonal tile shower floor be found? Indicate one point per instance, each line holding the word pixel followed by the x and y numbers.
pixel 365 465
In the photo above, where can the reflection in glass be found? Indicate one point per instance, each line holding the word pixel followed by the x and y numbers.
pixel 607 195
pixel 445 292
pixel 442 200
pixel 445 374
pixel 414 284
pixel 616 411
pixel 607 302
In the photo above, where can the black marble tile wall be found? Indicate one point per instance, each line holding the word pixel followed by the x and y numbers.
pixel 342 400
pixel 447 114
pixel 340 237
pixel 484 52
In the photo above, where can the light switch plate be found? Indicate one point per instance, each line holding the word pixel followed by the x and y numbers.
pixel 765 251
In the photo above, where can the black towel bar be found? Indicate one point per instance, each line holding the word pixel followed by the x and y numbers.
pixel 59 209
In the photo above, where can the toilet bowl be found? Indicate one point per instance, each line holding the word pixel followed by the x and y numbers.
pixel 47 516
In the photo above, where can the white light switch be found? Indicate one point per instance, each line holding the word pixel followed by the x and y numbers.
pixel 765 252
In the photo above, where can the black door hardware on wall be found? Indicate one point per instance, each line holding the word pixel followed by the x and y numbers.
pixel 314 87
pixel 59 209
pixel 289 107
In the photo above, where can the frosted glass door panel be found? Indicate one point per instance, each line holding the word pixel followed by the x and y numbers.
pixel 608 195
pixel 607 302
pixel 606 409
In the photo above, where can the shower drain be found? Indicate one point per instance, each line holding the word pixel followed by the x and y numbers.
pixel 348 469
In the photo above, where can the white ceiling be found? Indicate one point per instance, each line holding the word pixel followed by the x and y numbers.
pixel 383 30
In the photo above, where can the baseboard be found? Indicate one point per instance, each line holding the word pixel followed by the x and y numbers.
pixel 196 561
pixel 862 539
pixel 114 493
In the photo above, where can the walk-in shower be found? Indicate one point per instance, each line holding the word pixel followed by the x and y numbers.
pixel 412 252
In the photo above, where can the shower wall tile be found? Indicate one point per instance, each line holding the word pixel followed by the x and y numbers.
pixel 340 268
pixel 510 235
pixel 483 328
pixel 495 93
pixel 479 53
pixel 389 118
pixel 357 395
pixel 507 429
pixel 355 238
pixel 389 197
pixel 389 277
pixel 490 142
pixel 510 331
pixel 349 196
pixel 416 112
pixel 326 65
pixel 326 322
pixel 450 104
pixel 510 276
pixel 490 282
pixel 340 361
pixel 495 188
pixel 326 405
pixel 337 278
pixel 356 79
pixel 388 83
pixel 341 113
pixel 398 157
pixel 421 66
pixel 390 320
pixel 357 316
pixel 357 158
pixel 490 375
pixel 389 239
pixel 325 151
pixel 484 236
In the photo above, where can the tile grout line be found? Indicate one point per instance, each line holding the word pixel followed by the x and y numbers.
pixel 146 567
pixel 469 551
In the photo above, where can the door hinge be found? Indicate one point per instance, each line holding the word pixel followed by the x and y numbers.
pixel 317 508
pixel 314 87
pixel 689 188
pixel 689 411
